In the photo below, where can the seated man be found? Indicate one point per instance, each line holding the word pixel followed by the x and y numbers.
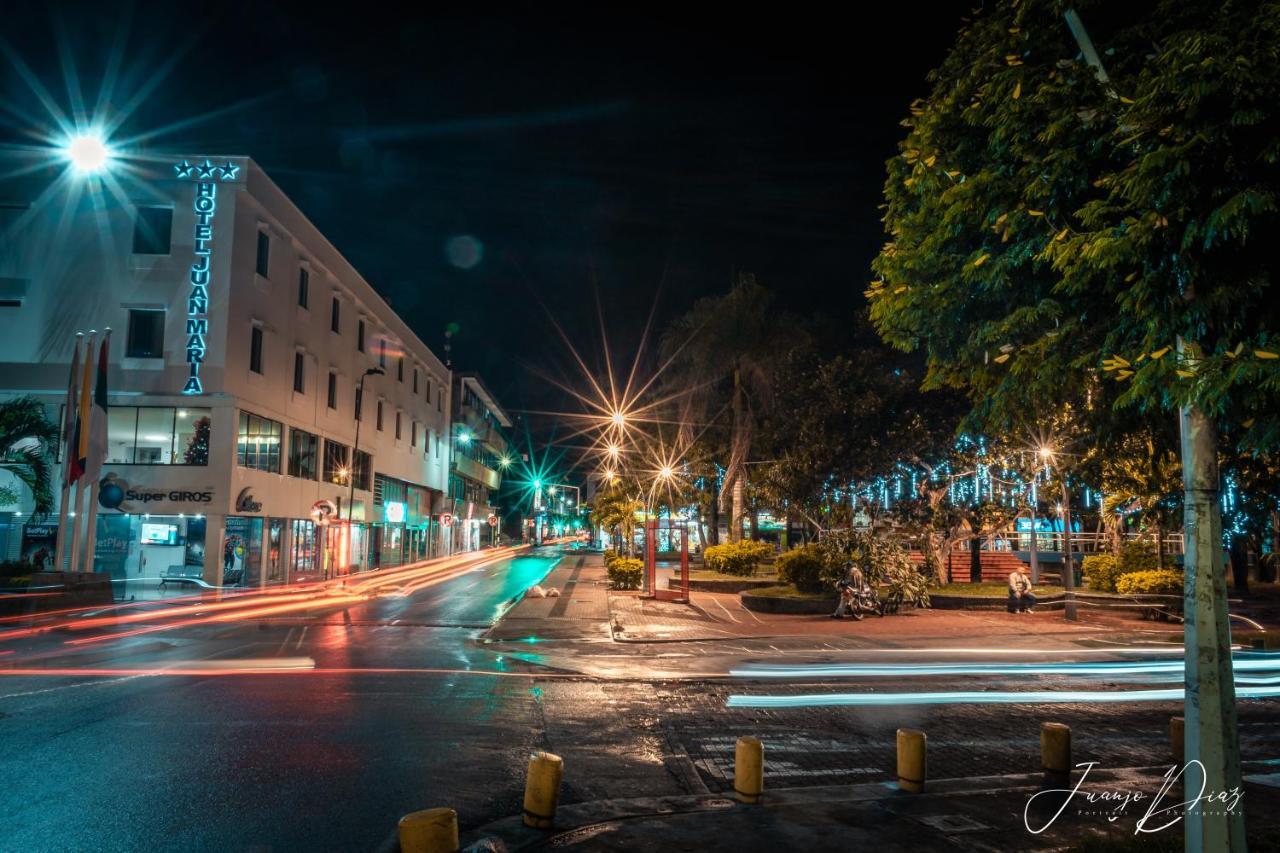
pixel 1020 596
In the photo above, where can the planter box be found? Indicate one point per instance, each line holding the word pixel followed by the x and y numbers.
pixel 722 585
pixel 770 604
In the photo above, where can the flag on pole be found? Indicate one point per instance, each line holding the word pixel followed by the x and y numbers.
pixel 70 440
pixel 82 419
pixel 97 443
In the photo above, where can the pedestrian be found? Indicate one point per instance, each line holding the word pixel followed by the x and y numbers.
pixel 1021 598
pixel 848 586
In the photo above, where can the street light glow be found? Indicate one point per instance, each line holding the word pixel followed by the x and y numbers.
pixel 87 152
pixel 613 450
pixel 619 419
pixel 666 472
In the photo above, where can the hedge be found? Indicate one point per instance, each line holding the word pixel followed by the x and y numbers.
pixel 1103 571
pixel 624 572
pixel 736 558
pixel 1161 582
pixel 802 567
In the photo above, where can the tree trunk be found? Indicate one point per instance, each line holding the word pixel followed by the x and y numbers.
pixel 1068 562
pixel 1211 741
pixel 755 524
pixel 713 516
pixel 941 559
pixel 735 511
pixel 975 559
pixel 1159 545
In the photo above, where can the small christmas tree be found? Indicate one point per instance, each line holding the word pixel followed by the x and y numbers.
pixel 197 452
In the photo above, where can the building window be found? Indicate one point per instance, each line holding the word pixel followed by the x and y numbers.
pixel 440 399
pixel 413 433
pixel 362 469
pixel 263 263
pixel 304 288
pixel 303 450
pixel 300 372
pixel 258 443
pixel 415 380
pixel 382 353
pixel 335 316
pixel 379 418
pixel 333 390
pixel 152 227
pixel 154 435
pixel 337 462
pixel 397 426
pixel 359 405
pixel 255 350
pixel 146 333
pixel 360 336
pixel 400 370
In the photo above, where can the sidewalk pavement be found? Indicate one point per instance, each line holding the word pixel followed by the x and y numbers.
pixel 581 611
pixel 977 814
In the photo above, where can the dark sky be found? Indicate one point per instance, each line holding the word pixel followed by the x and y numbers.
pixel 629 153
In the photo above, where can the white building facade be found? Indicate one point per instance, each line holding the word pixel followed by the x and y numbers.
pixel 239 338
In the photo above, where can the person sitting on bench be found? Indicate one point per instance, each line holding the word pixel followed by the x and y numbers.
pixel 1021 598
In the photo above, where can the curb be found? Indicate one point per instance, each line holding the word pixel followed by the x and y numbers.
pixel 805 606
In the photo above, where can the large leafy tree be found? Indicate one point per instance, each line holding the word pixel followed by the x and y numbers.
pixel 27 437
pixel 1059 214
pixel 720 358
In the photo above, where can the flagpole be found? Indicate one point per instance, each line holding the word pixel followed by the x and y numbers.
pixel 68 431
pixel 82 435
pixel 97 450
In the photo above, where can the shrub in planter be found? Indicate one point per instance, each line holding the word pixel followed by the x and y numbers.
pixel 624 573
pixel 1151 582
pixel 802 567
pixel 1101 571
pixel 736 558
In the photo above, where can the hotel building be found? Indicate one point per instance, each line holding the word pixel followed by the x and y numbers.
pixel 239 339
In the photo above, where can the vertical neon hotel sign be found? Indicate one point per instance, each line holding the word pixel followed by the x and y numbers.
pixel 205 206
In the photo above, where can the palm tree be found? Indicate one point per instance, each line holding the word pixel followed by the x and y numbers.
pixel 26 438
pixel 722 355
pixel 615 510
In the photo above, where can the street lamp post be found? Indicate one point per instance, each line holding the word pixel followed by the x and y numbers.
pixel 351 477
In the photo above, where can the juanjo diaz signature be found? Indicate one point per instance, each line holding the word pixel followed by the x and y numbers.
pixel 1115 803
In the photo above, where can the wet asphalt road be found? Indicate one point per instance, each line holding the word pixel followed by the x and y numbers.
pixel 329 760
pixel 280 762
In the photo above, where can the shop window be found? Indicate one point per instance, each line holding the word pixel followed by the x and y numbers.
pixel 337 459
pixel 302 547
pixel 145 338
pixel 303 451
pixel 152 227
pixel 157 435
pixel 258 443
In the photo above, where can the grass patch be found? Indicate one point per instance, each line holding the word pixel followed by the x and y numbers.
pixel 704 575
pixel 987 589
pixel 787 590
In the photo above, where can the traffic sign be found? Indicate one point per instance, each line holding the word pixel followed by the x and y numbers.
pixel 493 521
pixel 447 519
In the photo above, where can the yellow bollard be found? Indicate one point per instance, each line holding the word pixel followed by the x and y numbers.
pixel 429 831
pixel 542 790
pixel 748 769
pixel 1177 742
pixel 911 760
pixel 1055 753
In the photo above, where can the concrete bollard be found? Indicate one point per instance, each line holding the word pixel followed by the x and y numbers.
pixel 748 769
pixel 1177 741
pixel 1055 753
pixel 911 760
pixel 542 789
pixel 429 831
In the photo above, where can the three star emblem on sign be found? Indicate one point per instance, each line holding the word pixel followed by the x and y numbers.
pixel 207 170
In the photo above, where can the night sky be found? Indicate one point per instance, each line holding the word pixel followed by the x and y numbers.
pixel 640 157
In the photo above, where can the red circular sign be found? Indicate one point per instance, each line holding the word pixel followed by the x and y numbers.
pixel 493 521
pixel 446 519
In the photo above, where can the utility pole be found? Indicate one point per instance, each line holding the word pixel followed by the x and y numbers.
pixel 1211 742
